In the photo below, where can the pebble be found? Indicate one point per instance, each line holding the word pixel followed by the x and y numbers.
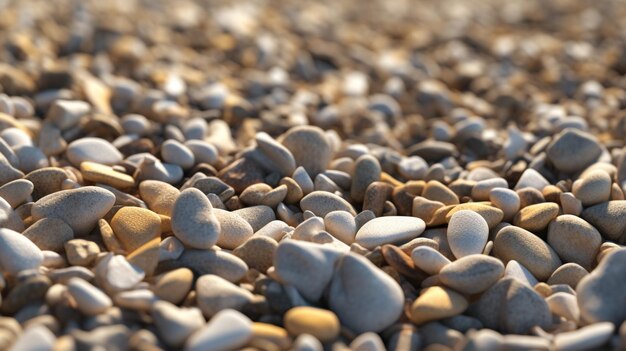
pixel 98 173
pixel 310 148
pixel 507 200
pixel 94 150
pixel 175 324
pixel 570 204
pixel 536 218
pixel 79 208
pixel 18 253
pixel 531 179
pixel 389 230
pixel 569 273
pixel 322 203
pixel 573 150
pixel 424 208
pixel 37 337
pixel 574 240
pixel 303 179
pixel 429 259
pixel 227 330
pixel 607 217
pixel 203 152
pixel 49 234
pixel 134 226
pixel 177 153
pixel 564 305
pixel 114 273
pixel 436 191
pixel 341 225
pixel 593 189
pixel 220 263
pixel 31 158
pixel 437 303
pixel 234 230
pixel 602 290
pixel 16 192
pixel 194 221
pixel 269 334
pixel 591 337
pixel 515 270
pixel 280 156
pixel 482 189
pixel 472 274
pixel 257 216
pixel 367 342
pixel 492 215
pixel 174 285
pixel 307 342
pixel 363 297
pixel 366 171
pixel 89 299
pixel 467 233
pixel 257 252
pixel 46 181
pixel 214 294
pixel 322 324
pixel 514 243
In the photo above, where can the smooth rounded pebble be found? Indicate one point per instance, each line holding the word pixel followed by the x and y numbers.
pixel 98 173
pixel 134 226
pixel 322 324
pixel 280 156
pixel 89 299
pixel 94 150
pixel 569 273
pixel 602 290
pixel 573 150
pixel 367 342
pixel 535 218
pixel 428 259
pixel 472 274
pixel 594 188
pixel 517 271
pixel 482 189
pixel 18 253
pixel 591 337
pixel 218 262
pixel 16 192
pixel 193 220
pixel 507 200
pixel 389 230
pixel 364 297
pixel 322 203
pixel 174 285
pixel 49 234
pixel 159 196
pixel 177 153
pixel 257 216
pixel 574 240
pixel 234 230
pixel 227 330
pixel 80 208
pixel 492 215
pixel 214 294
pixel 467 233
pixel 608 218
pixel 310 148
pixel 514 243
pixel 175 324
pixel 437 303
pixel 341 225
pixel 36 338
pixel 366 171
pixel 436 191
pixel 564 305
pixel 203 152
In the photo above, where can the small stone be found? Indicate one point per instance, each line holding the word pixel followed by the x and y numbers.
pixel 570 204
pixel 89 299
pixel 591 337
pixel 227 330
pixel 472 274
pixel 175 324
pixel 193 220
pixel 94 150
pixel 49 234
pixel 574 240
pixel 257 216
pixel 221 263
pixel 65 114
pixel 437 303
pixel 341 225
pixel 214 294
pixel 366 171
pixel 258 252
pixel 280 156
pixel 114 273
pixel 37 337
pixel 594 188
pixel 536 218
pixel 310 148
pixel 436 191
pixel 134 226
pixel 363 297
pixel 367 342
pixel 429 259
pixel 98 173
pixel 31 158
pixel 16 192
pixel 46 181
pixel 389 230
pixel 492 215
pixel 322 324
pixel 507 200
pixel 174 285
pixel 514 243
pixel 573 150
pixel 608 218
pixel 269 334
pixel 569 274
pixel 17 253
pixel 177 153
pixel 203 152
pixel 525 342
pixel 467 233
pixel 482 189
pixel 517 271
pixel 234 230
pixel 81 252
pixel 80 208
pixel 159 196
pixel 322 203
pixel 603 289
pixel 402 263
pixel 413 167
pixel 146 257
pixel 564 305
pixel 424 208
pixel 531 179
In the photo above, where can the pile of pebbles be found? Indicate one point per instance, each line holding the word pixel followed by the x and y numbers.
pixel 308 176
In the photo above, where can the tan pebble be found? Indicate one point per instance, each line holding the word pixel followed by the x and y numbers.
pixel 437 303
pixel 436 191
pixel 174 285
pixel 536 218
pixel 257 252
pixel 417 242
pixel 264 333
pixel 134 226
pixel 594 188
pixel 569 273
pixel 574 240
pixel 108 237
pixel 439 216
pixel 564 305
pixel 543 289
pixel 507 200
pixel 234 230
pixel 570 204
pixel 322 324
pixel 376 194
pixel 81 252
pixel 253 195
pixel 98 173
pixel 274 196
pixel 424 208
pixel 166 224
pixel 49 233
pixel 552 193
pixel 529 196
pixel 294 192
pixel 616 192
pixel 16 192
pixel 492 215
pixel 146 256
pixel 159 196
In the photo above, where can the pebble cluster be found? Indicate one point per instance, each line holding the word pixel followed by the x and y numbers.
pixel 309 176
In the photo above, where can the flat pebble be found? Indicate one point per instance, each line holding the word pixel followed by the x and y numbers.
pixel 257 252
pixel 221 263
pixel 80 208
pixel 569 273
pixel 134 226
pixel 227 330
pixel 607 217
pixel 322 203
pixel 573 150
pixel 16 192
pixel 514 243
pixel 437 303
pixel 174 285
pixel 492 215
pixel 89 299
pixel 467 233
pixel 98 173
pixel 49 234
pixel 193 220
pixel 517 271
pixel 322 324
pixel 593 189
pixel 472 274
pixel 94 150
pixel 366 171
pixel 574 240
pixel 535 218
pixel 429 259
pixel 603 289
pixel 309 148
pixel 214 294
pixel 363 297
pixel 18 253
pixel 175 324
pixel 591 337
pixel 389 230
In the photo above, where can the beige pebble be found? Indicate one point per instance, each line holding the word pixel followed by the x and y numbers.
pixel 570 204
pixel 424 208
pixel 564 305
pixel 49 233
pixel 472 274
pixel 134 226
pixel 536 218
pixel 507 200
pixel 429 259
pixel 159 196
pixel 574 240
pixel 492 215
pixel 436 191
pixel 593 189
pixel 98 173
pixel 89 299
pixel 322 324
pixel 81 252
pixel 174 285
pixel 437 303
pixel 569 273
pixel 16 192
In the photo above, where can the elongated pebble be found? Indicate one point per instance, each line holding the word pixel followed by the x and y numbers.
pixel 89 299
pixel 574 240
pixel 472 274
pixel 536 217
pixel 436 303
pixel 18 253
pixel 322 203
pixel 429 259
pixel 507 200
pixel 389 230
pixel 586 338
pixel 227 330
pixel 467 233
pixel 94 150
